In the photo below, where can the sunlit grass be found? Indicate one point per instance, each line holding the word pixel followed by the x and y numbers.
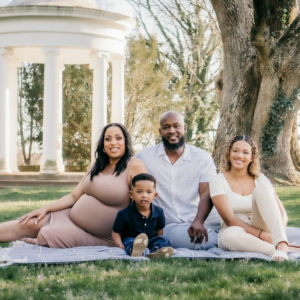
pixel 33 194
pixel 162 279
pixel 290 197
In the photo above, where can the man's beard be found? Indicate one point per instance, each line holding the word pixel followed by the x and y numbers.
pixel 172 146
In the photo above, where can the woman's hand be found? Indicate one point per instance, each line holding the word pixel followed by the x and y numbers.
pixel 266 237
pixel 39 214
pixel 63 203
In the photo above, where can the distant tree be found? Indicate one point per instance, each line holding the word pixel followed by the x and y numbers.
pixel 77 112
pixel 30 108
pixel 149 90
pixel 189 40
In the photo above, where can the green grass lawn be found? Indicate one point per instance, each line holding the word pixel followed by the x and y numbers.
pixel 161 279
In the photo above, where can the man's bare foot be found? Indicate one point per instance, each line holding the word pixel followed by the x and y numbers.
pixel 29 241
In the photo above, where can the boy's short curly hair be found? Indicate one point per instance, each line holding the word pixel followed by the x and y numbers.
pixel 253 167
pixel 141 177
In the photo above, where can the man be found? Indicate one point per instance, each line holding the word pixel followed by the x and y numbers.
pixel 182 173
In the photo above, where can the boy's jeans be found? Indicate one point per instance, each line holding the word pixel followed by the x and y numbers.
pixel 154 244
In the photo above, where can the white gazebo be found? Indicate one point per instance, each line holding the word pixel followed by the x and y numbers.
pixel 57 33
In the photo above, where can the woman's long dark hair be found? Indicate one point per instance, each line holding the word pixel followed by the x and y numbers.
pixel 102 158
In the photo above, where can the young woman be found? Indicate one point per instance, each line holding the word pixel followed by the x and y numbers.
pixel 85 217
pixel 253 218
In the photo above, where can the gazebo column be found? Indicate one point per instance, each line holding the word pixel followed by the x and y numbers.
pixel 99 107
pixel 51 90
pixel 60 163
pixel 13 115
pixel 4 110
pixel 118 105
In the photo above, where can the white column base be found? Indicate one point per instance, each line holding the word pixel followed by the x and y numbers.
pixel 60 164
pixel 49 167
pixel 5 171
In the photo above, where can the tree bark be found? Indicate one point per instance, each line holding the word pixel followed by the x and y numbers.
pixel 295 150
pixel 239 71
pixel 260 79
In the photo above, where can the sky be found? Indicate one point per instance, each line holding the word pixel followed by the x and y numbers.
pixel 4 2
pixel 119 6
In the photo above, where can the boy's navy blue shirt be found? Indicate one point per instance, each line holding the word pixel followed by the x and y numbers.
pixel 130 222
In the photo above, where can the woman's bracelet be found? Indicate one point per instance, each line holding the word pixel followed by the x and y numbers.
pixel 259 233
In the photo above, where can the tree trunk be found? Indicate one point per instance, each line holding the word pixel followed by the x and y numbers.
pixel 295 150
pixel 260 79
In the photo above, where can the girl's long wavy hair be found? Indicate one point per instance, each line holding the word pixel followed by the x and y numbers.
pixel 253 167
pixel 102 158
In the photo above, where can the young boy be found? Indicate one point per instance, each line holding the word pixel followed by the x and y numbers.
pixel 141 224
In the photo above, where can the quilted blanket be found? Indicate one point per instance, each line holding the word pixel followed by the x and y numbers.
pixel 23 253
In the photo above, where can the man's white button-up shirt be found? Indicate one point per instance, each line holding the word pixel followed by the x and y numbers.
pixel 178 184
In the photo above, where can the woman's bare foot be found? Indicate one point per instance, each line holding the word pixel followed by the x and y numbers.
pixel 29 241
pixel 281 252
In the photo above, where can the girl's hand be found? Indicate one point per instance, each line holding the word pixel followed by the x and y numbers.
pixel 266 237
pixel 39 214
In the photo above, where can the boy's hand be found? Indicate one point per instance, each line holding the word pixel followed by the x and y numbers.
pixel 121 246
pixel 117 240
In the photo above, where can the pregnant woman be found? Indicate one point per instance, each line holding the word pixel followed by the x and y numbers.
pixel 84 217
pixel 253 218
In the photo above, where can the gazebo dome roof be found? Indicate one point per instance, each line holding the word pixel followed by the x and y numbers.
pixel 68 3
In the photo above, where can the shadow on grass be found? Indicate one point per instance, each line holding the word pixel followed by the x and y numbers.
pixel 290 197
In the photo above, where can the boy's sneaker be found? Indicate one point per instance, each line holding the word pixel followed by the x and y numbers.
pixel 163 252
pixel 140 244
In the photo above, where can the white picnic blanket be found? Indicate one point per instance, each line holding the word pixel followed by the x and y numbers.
pixel 23 253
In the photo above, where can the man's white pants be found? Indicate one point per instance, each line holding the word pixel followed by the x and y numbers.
pixel 179 237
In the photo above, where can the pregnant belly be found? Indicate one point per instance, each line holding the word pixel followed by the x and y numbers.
pixel 93 216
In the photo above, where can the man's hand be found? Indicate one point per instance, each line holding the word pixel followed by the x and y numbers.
pixel 197 232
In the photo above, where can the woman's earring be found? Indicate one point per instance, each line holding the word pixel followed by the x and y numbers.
pixel 103 150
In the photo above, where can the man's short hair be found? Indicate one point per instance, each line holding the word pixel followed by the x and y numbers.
pixel 143 176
